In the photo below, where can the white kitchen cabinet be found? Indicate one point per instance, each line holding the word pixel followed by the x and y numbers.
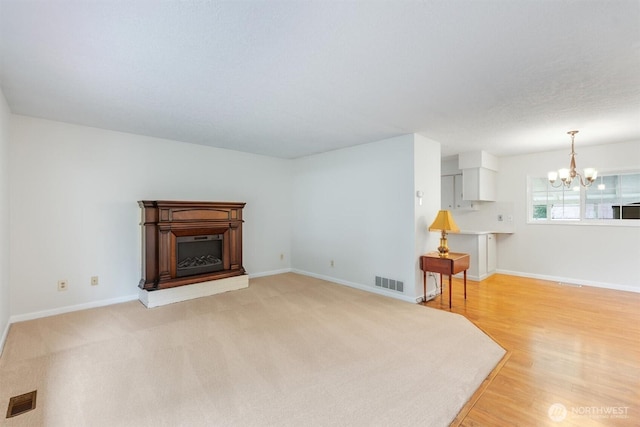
pixel 451 194
pixel 447 192
pixel 479 184
pixel 492 250
pixel 480 172
pixel 481 248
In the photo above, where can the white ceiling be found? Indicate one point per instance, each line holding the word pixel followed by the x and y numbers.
pixel 292 78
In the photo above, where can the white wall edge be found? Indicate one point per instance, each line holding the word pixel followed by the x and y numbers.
pixel 359 286
pixel 4 336
pixel 613 286
pixel 269 273
pixel 70 308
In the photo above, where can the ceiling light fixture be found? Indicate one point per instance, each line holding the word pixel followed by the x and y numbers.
pixel 567 175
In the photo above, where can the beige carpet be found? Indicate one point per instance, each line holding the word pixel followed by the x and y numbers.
pixel 288 351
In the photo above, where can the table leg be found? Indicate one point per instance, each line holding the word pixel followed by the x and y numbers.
pixel 465 284
pixel 440 287
pixel 424 285
pixel 450 290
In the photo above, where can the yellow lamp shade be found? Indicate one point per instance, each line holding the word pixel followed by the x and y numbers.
pixel 444 222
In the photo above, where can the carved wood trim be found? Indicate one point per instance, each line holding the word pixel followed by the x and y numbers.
pixel 164 221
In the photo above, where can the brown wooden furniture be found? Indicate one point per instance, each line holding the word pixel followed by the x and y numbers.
pixel 163 222
pixel 453 264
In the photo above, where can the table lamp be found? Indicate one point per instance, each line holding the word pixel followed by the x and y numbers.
pixel 444 222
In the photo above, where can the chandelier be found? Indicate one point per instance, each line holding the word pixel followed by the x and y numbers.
pixel 567 175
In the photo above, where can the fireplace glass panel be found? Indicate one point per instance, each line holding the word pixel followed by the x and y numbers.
pixel 198 254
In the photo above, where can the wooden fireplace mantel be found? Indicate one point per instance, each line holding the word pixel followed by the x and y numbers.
pixel 164 221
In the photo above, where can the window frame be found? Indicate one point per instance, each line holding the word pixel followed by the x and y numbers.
pixel 581 220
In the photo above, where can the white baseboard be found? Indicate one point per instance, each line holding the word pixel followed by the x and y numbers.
pixel 3 338
pixel 70 308
pixel 469 277
pixel 572 281
pixel 160 297
pixel 270 273
pixel 94 304
pixel 360 286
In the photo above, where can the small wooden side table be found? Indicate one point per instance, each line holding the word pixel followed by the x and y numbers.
pixel 453 264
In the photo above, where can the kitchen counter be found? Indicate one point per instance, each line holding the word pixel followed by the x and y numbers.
pixel 481 245
pixel 477 233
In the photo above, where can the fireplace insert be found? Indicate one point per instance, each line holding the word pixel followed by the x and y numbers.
pixel 198 254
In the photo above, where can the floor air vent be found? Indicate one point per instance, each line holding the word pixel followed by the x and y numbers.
pixel 575 285
pixel 392 284
pixel 21 404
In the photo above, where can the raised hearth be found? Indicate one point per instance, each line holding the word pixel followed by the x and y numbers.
pixel 190 242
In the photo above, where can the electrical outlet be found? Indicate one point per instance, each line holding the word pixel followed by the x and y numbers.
pixel 331 263
pixel 94 280
pixel 281 257
pixel 62 285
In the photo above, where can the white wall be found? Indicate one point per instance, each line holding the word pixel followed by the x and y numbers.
pixel 73 193
pixel 4 220
pixel 449 166
pixel 427 180
pixel 357 207
pixel 604 256
pixel 74 212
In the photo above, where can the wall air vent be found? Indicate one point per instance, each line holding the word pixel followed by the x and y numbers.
pixel 392 284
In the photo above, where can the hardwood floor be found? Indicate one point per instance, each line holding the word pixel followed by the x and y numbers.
pixel 578 347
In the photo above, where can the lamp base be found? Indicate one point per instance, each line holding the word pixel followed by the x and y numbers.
pixel 443 249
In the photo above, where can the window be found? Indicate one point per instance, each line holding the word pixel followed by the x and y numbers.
pixel 614 197
pixel 611 197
